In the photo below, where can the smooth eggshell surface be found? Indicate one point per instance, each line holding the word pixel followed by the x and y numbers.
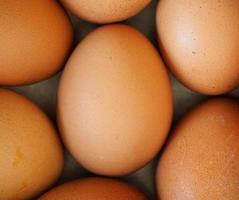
pixel 114 101
pixel 35 38
pixel 106 11
pixel 31 156
pixel 199 41
pixel 200 161
pixel 94 188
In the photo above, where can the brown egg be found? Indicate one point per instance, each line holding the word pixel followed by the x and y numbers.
pixel 199 41
pixel 94 188
pixel 200 161
pixel 31 155
pixel 114 101
pixel 35 38
pixel 106 11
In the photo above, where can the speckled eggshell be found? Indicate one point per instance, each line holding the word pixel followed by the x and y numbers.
pixel 200 161
pixel 114 101
pixel 106 11
pixel 94 188
pixel 31 156
pixel 35 38
pixel 199 41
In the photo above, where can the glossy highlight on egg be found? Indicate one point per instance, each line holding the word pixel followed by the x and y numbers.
pixel 199 43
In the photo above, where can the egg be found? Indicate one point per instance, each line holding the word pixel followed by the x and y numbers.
pixel 94 188
pixel 114 101
pixel 199 43
pixel 200 161
pixel 35 38
pixel 106 11
pixel 31 153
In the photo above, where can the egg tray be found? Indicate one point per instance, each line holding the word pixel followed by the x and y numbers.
pixel 44 94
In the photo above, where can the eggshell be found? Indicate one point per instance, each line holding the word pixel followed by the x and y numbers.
pixel 200 161
pixel 114 101
pixel 94 188
pixel 30 155
pixel 35 38
pixel 106 11
pixel 199 41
